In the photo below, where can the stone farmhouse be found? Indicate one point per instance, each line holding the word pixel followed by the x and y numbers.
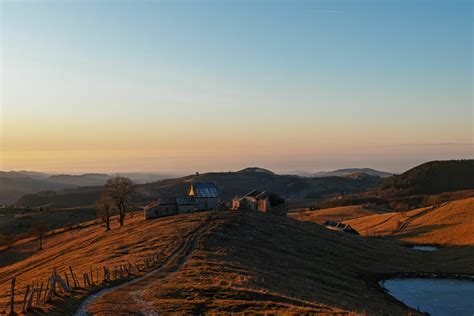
pixel 260 201
pixel 201 196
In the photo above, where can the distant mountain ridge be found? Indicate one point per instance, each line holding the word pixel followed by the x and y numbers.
pixel 229 184
pixel 14 184
pixel 344 173
pixel 86 179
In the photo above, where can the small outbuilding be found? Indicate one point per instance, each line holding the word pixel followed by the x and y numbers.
pixel 262 201
pixel 340 227
pixel 160 208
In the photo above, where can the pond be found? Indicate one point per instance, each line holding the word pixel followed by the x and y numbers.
pixel 434 296
pixel 425 248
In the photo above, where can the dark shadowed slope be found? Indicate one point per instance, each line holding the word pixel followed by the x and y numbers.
pixel 431 178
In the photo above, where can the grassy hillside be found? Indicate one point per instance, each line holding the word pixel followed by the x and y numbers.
pixel 229 183
pixel 335 214
pixel 431 178
pixel 427 184
pixel 20 222
pixel 232 262
pixel 451 223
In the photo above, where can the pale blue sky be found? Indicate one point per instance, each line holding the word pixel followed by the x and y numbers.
pixel 336 83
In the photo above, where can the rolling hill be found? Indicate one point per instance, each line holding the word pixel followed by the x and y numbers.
pixel 348 171
pixel 230 262
pixel 335 214
pixel 431 178
pixel 428 184
pixel 229 183
pixel 449 224
pixel 13 187
pixel 15 184
pixel 87 179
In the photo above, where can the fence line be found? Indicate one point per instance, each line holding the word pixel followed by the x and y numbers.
pixel 36 295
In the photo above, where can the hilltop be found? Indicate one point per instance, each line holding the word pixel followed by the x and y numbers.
pixel 431 178
pixel 218 262
pixel 428 184
pixel 348 171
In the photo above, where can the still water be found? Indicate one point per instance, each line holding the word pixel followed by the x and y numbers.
pixel 434 296
pixel 425 248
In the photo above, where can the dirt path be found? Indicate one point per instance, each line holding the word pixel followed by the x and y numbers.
pixel 132 291
pixel 410 219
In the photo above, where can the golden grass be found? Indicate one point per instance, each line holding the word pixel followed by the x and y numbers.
pixel 259 263
pixel 449 224
pixel 92 247
pixel 235 262
pixel 334 214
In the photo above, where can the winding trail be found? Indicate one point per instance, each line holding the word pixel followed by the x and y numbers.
pixel 410 219
pixel 133 291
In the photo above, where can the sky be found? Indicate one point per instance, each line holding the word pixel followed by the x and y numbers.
pixel 184 86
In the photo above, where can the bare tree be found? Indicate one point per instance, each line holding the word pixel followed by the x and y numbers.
pixel 39 230
pixel 120 190
pixel 104 209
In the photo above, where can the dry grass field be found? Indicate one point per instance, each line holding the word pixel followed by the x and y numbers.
pixel 91 247
pixel 448 224
pixel 335 214
pixel 220 262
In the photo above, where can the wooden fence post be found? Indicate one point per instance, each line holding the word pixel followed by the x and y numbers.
pixel 74 278
pixel 46 292
pixel 106 274
pixel 26 295
pixel 30 300
pixel 12 297
pixel 38 295
pixel 67 279
pixel 52 289
pixel 92 277
pixel 61 283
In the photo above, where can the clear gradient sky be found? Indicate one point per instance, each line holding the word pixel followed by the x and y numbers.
pixel 103 85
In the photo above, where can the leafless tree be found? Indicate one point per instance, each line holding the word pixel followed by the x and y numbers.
pixel 104 209
pixel 120 190
pixel 39 230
